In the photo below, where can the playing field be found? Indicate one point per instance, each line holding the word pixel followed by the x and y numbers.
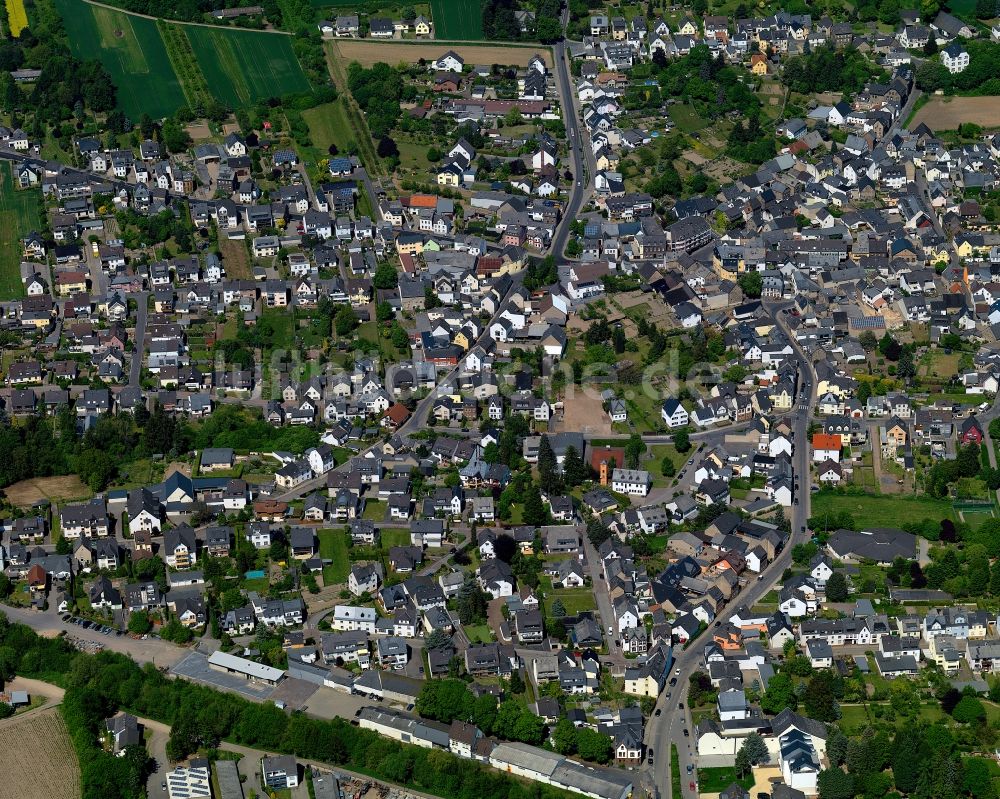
pixel 17 17
pixel 131 49
pixel 245 66
pixel 877 510
pixel 457 20
pixel 18 216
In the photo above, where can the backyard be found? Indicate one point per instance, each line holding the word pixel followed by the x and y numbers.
pixel 882 511
pixel 18 217
pixel 333 547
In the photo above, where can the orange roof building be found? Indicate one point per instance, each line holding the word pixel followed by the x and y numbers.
pixel 826 441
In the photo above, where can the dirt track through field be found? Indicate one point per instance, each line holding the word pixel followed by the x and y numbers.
pixel 368 52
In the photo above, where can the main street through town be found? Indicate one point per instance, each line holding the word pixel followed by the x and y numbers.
pixel 671 722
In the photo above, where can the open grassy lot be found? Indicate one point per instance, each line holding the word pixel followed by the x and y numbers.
pixel 131 49
pixel 457 19
pixel 939 364
pixel 575 600
pixel 333 547
pixel 59 489
pixel 37 757
pixel 235 259
pixel 328 125
pixel 18 216
pixel 686 118
pixel 245 66
pixel 17 17
pixel 882 511
pixel 947 113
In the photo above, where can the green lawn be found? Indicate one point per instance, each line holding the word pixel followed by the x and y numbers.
pixel 245 66
pixel 328 125
pixel 478 632
pixel 686 118
pixel 18 217
pixel 882 511
pixel 716 780
pixel 457 19
pixel 574 600
pixel 131 49
pixel 333 547
pixel 393 537
pixel 374 510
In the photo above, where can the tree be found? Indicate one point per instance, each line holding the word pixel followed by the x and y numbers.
pixel 756 749
pixel 548 468
pixel 968 710
pixel 780 694
pixel 534 512
pixel 438 639
pixel 139 623
pixel 868 341
pixel 597 531
pixel 558 609
pixel 635 448
pixel 682 441
pixel 752 284
pixel 387 148
pixel 667 468
pixel 433 154
pixel 905 367
pixel 819 699
pixel 516 682
pixel 385 277
pixel 564 737
pixel 345 321
pixel 836 587
pixel 574 469
pixel 833 783
pixel 593 745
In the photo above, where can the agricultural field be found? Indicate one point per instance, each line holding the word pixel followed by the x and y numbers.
pixel 132 50
pixel 18 217
pixel 458 20
pixel 185 64
pixel 37 757
pixel 246 66
pixel 947 113
pixel 368 52
pixel 17 17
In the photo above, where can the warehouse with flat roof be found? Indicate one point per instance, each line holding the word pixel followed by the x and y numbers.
pixel 248 669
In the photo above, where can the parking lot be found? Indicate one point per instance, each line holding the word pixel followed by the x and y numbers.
pixel 195 667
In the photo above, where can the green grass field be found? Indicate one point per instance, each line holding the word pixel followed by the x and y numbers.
pixel 328 125
pixel 18 217
pixel 882 511
pixel 245 66
pixel 686 118
pixel 575 600
pixel 131 50
pixel 716 780
pixel 459 20
pixel 333 547
pixel 393 537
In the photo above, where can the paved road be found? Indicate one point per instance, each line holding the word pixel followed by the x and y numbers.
pixel 581 179
pixel 669 727
pixel 139 345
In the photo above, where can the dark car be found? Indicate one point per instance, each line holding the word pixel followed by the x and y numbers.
pixel 686 733
pixel 673 681
pixel 658 711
